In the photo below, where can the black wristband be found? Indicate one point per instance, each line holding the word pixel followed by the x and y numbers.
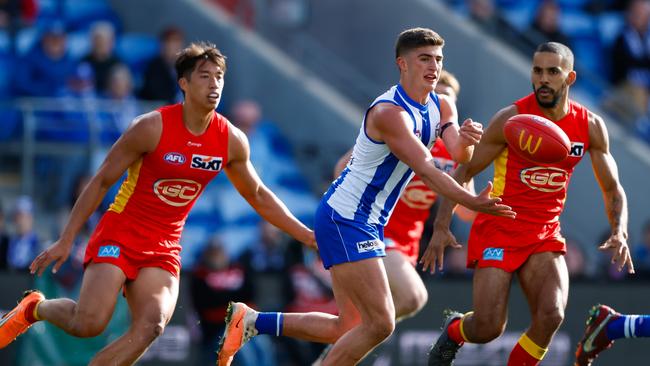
pixel 444 127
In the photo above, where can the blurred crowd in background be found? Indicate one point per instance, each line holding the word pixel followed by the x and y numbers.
pixel 610 39
pixel 103 77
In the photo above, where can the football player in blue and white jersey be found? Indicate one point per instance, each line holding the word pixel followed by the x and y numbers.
pixel 394 143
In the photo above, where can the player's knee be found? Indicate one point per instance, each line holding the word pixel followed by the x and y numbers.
pixel 157 330
pixel 420 299
pixel 412 303
pixel 550 319
pixel 488 330
pixel 87 328
pixel 339 326
pixel 381 329
pixel 86 324
pixel 149 331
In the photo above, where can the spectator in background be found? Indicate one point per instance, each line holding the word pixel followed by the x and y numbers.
pixel 81 82
pixel 483 13
pixel 159 76
pixel 246 115
pixel 312 291
pixel 70 125
pixel 18 12
pixel 24 243
pixel 486 16
pixel 71 272
pixel 43 71
pixel 102 56
pixel 269 149
pixel 268 263
pixel 115 120
pixel 242 10
pixel 631 55
pixel 215 282
pixel 120 91
pixel 546 25
pixel 641 252
pixel 4 241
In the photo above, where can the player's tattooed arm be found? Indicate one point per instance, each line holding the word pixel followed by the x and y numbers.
pixel 606 173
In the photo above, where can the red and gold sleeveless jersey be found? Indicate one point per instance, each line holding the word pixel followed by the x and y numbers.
pixel 537 192
pixel 407 221
pixel 163 185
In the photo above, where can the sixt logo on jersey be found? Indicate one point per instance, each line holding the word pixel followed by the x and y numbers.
pixel 577 149
pixel 174 158
pixel 112 251
pixel 204 162
pixel 493 254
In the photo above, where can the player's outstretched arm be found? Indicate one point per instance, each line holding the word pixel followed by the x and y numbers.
pixel 491 145
pixel 606 173
pixel 388 123
pixel 463 212
pixel 141 137
pixel 243 176
pixel 459 140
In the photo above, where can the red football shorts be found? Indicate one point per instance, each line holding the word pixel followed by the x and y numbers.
pixel 410 250
pixel 119 242
pixel 507 243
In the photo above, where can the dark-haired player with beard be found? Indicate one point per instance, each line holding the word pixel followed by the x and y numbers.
pixel 529 246
pixel 170 154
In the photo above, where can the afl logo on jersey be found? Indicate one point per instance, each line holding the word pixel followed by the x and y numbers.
pixel 174 158
pixel 176 192
pixel 209 163
pixel 544 179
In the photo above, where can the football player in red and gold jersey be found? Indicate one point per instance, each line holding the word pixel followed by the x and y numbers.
pixel 170 154
pixel 530 246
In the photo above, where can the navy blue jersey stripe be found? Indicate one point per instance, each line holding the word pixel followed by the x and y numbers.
pixel 392 198
pixel 378 182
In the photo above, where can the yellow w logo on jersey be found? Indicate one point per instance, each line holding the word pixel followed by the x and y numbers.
pixel 527 145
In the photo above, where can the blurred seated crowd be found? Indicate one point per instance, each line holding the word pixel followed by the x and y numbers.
pixel 91 80
pixel 77 52
pixel 100 77
pixel 610 40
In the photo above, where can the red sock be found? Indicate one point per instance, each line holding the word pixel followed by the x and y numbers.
pixel 520 356
pixel 29 313
pixel 454 332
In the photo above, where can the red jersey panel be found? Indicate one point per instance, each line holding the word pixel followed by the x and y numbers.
pixel 537 192
pixel 150 209
pixel 404 229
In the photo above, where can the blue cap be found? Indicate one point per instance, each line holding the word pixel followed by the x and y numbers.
pixel 55 27
pixel 24 204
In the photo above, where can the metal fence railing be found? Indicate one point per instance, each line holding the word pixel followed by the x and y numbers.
pixel 61 127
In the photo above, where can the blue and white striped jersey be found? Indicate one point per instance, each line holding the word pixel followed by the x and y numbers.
pixel 368 188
